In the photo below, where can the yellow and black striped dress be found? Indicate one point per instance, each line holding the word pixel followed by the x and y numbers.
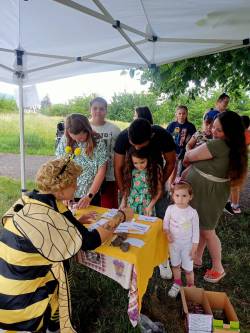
pixel 29 265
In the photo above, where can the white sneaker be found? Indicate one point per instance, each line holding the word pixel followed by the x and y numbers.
pixel 174 290
pixel 165 271
pixel 236 209
pixel 228 208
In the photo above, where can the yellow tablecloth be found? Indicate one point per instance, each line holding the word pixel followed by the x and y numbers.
pixel 153 253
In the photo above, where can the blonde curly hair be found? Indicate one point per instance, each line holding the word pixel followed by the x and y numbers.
pixel 57 175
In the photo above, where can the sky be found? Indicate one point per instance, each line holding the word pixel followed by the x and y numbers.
pixel 104 84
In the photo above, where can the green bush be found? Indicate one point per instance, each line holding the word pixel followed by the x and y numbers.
pixel 76 105
pixel 166 109
pixel 7 105
pixel 56 110
pixel 123 105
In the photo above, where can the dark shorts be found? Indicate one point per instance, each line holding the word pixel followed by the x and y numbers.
pixel 161 205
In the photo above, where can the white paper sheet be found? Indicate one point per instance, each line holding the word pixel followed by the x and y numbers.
pixel 135 242
pixel 146 218
pixel 200 322
pixel 140 226
pixel 110 213
pixel 132 228
pixel 97 224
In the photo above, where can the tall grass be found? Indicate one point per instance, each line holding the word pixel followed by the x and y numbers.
pixel 39 133
pixel 39 130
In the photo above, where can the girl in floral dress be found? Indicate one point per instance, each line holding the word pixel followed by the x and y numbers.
pixel 142 182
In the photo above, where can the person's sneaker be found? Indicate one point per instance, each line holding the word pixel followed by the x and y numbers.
pixel 236 209
pixel 165 271
pixel 174 290
pixel 228 208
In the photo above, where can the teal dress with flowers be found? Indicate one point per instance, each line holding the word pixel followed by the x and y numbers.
pixel 90 165
pixel 139 197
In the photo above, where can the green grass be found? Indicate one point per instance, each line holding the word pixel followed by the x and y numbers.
pixel 234 235
pixel 10 192
pixel 40 132
pixel 100 304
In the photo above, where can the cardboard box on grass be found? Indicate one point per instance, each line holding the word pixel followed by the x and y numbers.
pixel 220 300
pixel 197 323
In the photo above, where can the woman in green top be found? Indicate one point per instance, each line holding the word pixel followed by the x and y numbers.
pixel 93 157
pixel 213 168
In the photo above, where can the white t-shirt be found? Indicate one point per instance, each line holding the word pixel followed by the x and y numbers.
pixel 109 133
pixel 182 223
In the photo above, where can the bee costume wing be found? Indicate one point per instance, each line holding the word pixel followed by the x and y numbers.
pixel 56 239
pixel 50 232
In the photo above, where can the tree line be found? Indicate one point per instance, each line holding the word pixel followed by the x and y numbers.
pixel 122 106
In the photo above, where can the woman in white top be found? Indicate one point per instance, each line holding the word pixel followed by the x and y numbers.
pixel 109 133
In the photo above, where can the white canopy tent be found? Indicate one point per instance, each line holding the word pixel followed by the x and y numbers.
pixel 42 40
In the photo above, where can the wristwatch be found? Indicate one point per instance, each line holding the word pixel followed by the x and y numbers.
pixel 90 195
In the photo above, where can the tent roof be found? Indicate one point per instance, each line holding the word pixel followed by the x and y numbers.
pixel 62 38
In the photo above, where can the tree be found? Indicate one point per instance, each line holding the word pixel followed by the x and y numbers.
pixel 123 105
pixel 228 70
pixel 81 104
pixel 45 102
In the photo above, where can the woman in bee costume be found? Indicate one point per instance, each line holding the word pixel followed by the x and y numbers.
pixel 39 237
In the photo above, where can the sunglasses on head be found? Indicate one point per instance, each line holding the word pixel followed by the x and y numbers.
pixel 63 168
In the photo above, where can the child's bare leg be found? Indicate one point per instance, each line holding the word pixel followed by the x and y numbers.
pixel 235 196
pixel 177 274
pixel 189 278
pixel 200 250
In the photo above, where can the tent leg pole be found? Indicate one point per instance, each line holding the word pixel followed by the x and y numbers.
pixel 22 150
